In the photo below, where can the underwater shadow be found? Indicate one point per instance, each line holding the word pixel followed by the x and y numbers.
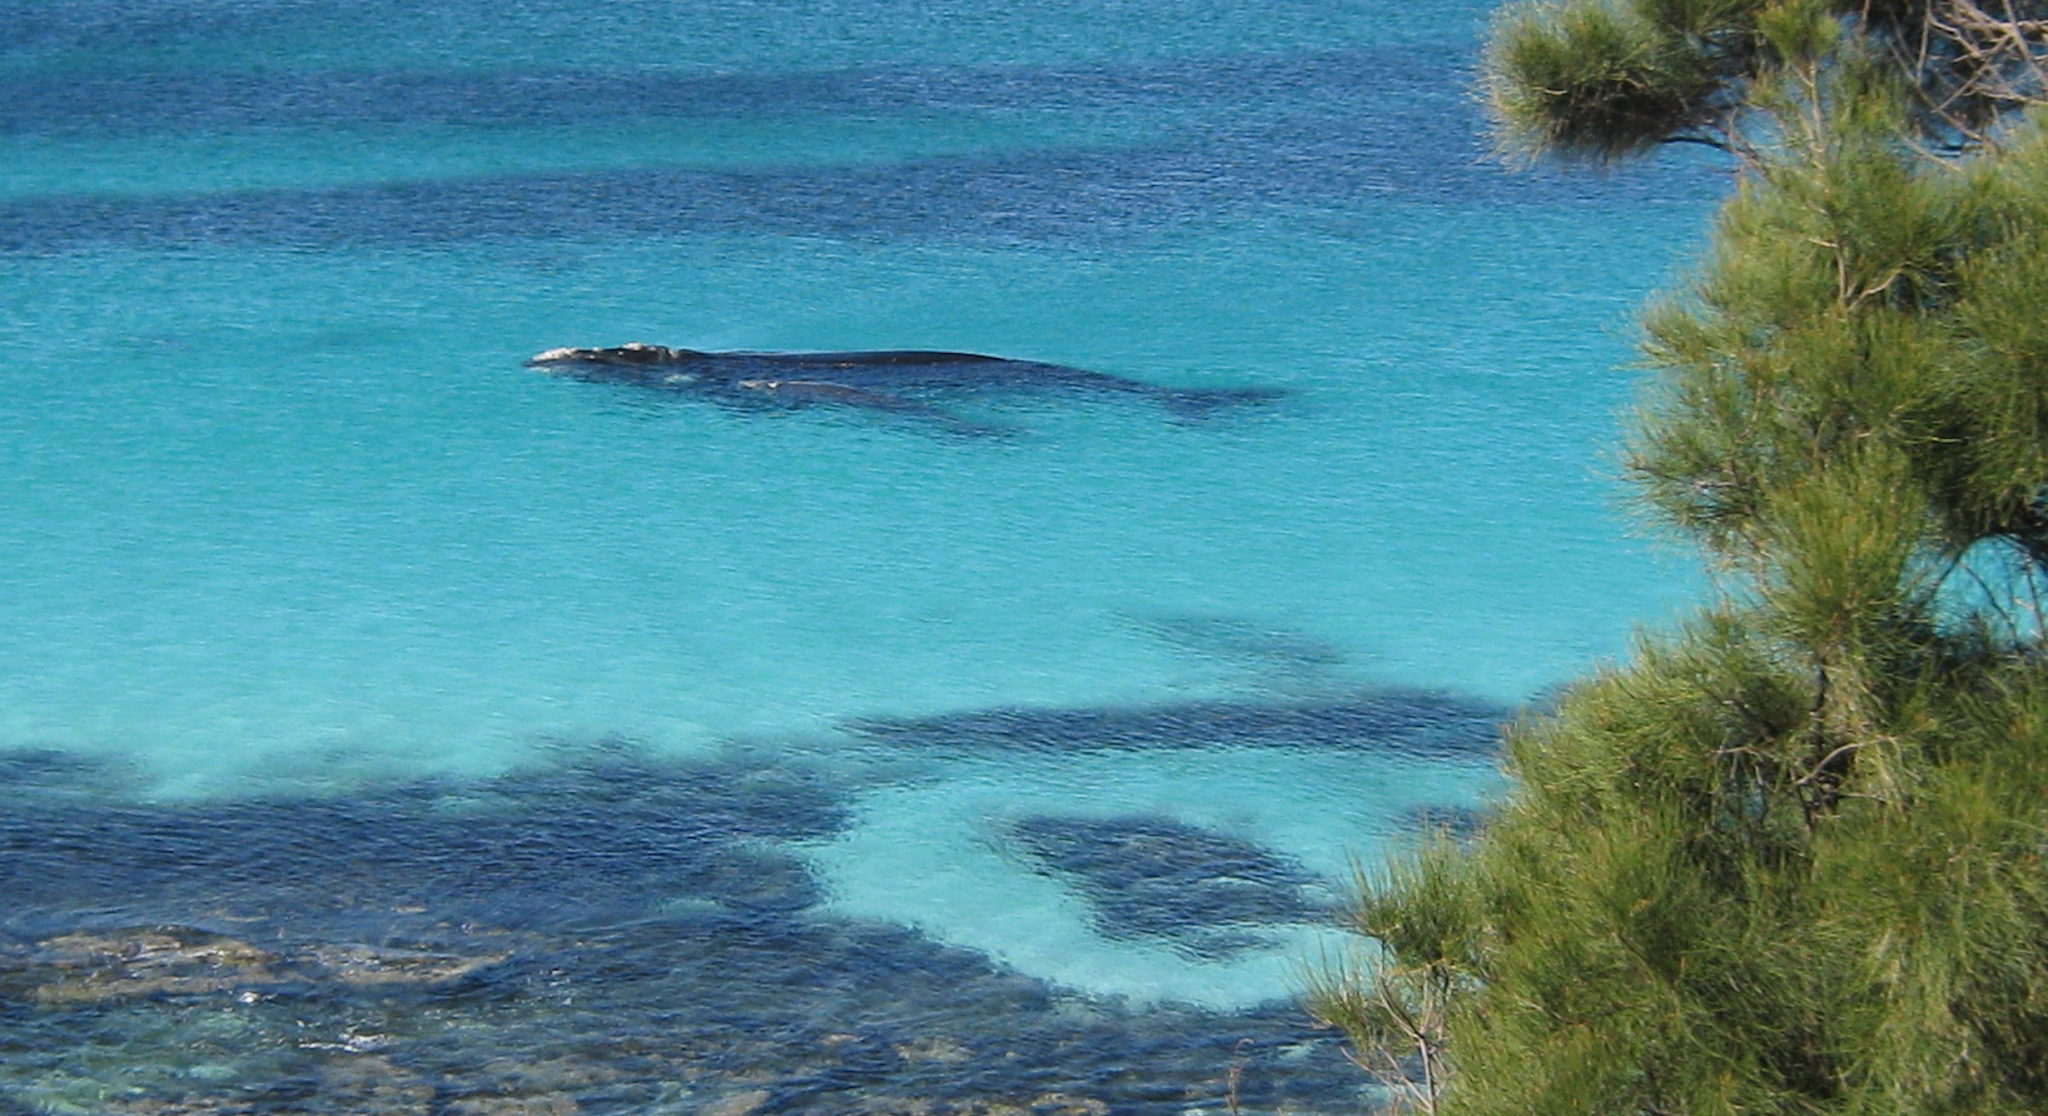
pixel 613 932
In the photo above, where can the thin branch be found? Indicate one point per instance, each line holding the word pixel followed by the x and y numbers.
pixel 1821 767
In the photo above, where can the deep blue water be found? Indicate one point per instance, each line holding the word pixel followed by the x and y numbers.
pixel 669 755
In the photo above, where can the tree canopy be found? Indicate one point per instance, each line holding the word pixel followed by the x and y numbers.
pixel 1789 857
pixel 1605 79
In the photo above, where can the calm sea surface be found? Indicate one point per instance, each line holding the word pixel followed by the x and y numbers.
pixel 387 727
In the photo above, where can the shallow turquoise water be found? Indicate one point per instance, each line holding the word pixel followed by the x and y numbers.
pixel 290 518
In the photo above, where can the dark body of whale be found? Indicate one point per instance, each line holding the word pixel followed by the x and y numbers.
pixel 899 381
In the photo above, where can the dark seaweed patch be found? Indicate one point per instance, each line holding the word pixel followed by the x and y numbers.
pixel 1461 822
pixel 1077 196
pixel 48 771
pixel 590 844
pixel 611 933
pixel 1245 641
pixel 1201 891
pixel 1335 127
pixel 1418 723
pixel 117 102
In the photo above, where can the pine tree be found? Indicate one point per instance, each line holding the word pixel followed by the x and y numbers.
pixel 1793 856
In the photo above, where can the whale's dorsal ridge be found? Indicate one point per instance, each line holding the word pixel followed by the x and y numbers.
pixel 899 380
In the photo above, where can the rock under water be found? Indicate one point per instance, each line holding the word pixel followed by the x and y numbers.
pixel 1202 892
pixel 609 934
pixel 1409 722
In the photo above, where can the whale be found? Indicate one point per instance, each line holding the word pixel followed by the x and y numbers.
pixel 910 382
pixel 806 393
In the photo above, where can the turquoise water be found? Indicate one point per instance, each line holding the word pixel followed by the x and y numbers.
pixel 291 524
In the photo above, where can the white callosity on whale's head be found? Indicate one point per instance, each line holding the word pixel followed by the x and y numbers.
pixel 554 356
pixel 631 353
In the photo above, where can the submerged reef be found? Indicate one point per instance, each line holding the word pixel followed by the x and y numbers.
pixel 606 933
pixel 1202 892
pixel 1410 722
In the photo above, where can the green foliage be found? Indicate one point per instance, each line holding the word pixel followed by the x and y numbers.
pixel 1421 909
pixel 1790 857
pixel 1597 80
pixel 1603 79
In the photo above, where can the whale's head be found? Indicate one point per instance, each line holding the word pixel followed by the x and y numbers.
pixel 637 354
pixel 641 363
